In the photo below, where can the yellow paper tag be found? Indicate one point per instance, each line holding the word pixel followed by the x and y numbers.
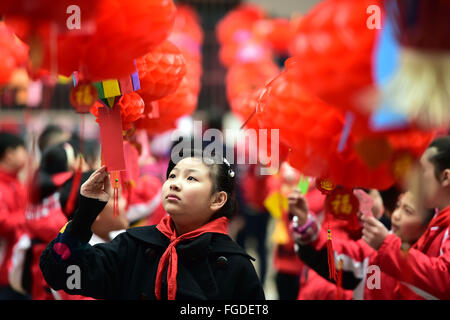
pixel 280 234
pixel 111 88
pixel 275 203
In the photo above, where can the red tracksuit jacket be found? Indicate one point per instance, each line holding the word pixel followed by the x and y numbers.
pixel 424 273
pixel 43 222
pixel 360 270
pixel 12 219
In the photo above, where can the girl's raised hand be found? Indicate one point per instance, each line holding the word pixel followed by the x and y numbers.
pixel 298 206
pixel 374 232
pixel 98 186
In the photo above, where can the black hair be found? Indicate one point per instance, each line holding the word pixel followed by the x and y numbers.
pixel 64 193
pixel 429 215
pixel 91 151
pixel 390 197
pixel 90 148
pixel 46 137
pixel 9 141
pixel 440 160
pixel 54 160
pixel 222 176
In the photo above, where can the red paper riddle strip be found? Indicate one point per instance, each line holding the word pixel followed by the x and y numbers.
pixel 110 122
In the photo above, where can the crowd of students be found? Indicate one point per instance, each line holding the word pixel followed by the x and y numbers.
pixel 171 239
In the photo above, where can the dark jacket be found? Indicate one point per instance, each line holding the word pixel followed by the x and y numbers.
pixel 211 266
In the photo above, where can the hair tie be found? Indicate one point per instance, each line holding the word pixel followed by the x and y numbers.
pixel 70 154
pixel 230 171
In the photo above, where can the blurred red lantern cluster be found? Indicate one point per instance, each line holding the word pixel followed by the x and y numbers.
pixel 326 79
pixel 176 72
pixel 13 53
pixel 187 35
pixel 110 36
pixel 247 35
pixel 169 77
pixel 37 12
pixel 333 49
pixel 172 107
pixel 313 131
pixel 250 42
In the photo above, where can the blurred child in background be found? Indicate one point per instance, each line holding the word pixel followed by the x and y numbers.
pixel 13 198
pixel 424 271
pixel 357 257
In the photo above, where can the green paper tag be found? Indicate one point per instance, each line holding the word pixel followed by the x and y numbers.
pixel 303 184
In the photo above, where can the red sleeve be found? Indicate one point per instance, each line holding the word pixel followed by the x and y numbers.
pixel 12 208
pixel 47 228
pixel 10 221
pixel 354 254
pixel 426 276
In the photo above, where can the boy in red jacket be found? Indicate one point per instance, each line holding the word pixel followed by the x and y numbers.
pixel 13 157
pixel 424 273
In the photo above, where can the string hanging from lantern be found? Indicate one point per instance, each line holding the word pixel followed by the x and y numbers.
pixel 115 176
pixel 330 254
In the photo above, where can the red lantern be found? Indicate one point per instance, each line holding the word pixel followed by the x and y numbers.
pixel 400 165
pixel 13 53
pixel 333 42
pixel 83 96
pixel 182 102
pixel 247 77
pixel 251 51
pixel 277 32
pixel 187 22
pixel 301 118
pixel 44 11
pixel 124 31
pixel 237 25
pixel 313 130
pixel 131 109
pixel 160 71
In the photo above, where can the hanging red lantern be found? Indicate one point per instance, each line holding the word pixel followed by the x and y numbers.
pixel 277 32
pixel 251 51
pixel 182 102
pixel 83 96
pixel 131 109
pixel 237 25
pixel 301 118
pixel 247 77
pixel 313 130
pixel 333 42
pixel 160 71
pixel 124 31
pixel 400 165
pixel 187 22
pixel 13 53
pixel 59 12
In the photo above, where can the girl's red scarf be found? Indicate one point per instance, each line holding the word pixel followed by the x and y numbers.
pixel 170 257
